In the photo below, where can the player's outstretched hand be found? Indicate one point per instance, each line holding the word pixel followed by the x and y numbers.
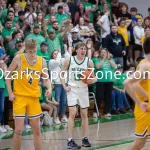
pixel 48 93
pixel 12 97
pixel 68 89
pixel 144 106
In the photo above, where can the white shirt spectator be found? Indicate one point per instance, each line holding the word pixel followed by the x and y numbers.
pixel 55 67
pixel 83 29
pixel 138 32
pixel 106 25
pixel 30 17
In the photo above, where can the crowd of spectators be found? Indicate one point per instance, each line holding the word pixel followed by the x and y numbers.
pixel 113 33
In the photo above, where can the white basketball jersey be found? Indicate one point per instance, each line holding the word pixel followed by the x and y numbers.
pixel 75 71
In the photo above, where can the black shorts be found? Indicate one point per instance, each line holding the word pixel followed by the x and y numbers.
pixel 132 41
pixel 138 47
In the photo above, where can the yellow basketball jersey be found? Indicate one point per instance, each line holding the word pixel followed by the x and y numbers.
pixel 144 84
pixel 26 79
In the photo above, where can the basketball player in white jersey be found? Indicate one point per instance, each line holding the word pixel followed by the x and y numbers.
pixel 77 92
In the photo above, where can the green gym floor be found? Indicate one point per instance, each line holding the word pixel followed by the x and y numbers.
pixel 116 133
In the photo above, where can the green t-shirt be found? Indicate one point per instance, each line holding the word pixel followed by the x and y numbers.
pixel 49 27
pixel 43 98
pixel 6 32
pixel 16 18
pixel 94 61
pixel 39 39
pixel 4 15
pixel 61 17
pixel 47 17
pixel 106 72
pixel 6 91
pixel 12 53
pixel 100 8
pixel 2 81
pixel 45 55
pixel 119 79
pixel 54 44
pixel 42 33
pixel 89 5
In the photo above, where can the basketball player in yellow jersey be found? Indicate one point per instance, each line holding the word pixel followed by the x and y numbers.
pixel 136 83
pixel 28 68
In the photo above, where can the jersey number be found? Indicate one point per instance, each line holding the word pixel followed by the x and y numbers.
pixel 30 81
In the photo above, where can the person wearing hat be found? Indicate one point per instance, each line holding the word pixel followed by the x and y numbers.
pixel 36 35
pixel 55 41
pixel 43 52
pixel 60 15
pixel 59 3
pixel 74 38
pixel 15 35
pixel 18 46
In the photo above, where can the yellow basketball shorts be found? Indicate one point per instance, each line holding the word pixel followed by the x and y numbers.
pixel 142 123
pixel 25 104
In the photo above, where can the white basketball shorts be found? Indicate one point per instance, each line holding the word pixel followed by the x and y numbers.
pixel 78 96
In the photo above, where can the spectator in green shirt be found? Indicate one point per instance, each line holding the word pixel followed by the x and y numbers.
pixel 105 4
pixel 52 19
pixel 60 15
pixel 10 16
pixel 89 7
pixel 7 34
pixel 50 12
pixel 55 26
pixel 36 35
pixel 3 10
pixel 44 52
pixel 55 41
pixel 16 9
pixel 105 68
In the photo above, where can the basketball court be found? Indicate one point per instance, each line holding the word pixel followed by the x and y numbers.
pixel 116 133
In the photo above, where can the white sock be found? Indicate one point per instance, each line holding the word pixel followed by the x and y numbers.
pixel 69 139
